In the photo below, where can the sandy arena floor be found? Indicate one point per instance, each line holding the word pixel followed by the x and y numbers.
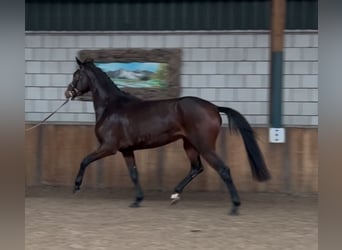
pixel 101 219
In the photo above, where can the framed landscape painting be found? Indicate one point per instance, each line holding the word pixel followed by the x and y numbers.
pixel 136 74
pixel 148 74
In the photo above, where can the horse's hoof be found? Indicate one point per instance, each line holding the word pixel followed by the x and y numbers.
pixel 135 204
pixel 175 198
pixel 76 189
pixel 234 211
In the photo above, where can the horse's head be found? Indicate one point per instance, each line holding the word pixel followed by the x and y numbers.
pixel 80 83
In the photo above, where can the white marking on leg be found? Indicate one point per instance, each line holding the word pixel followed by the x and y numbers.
pixel 175 196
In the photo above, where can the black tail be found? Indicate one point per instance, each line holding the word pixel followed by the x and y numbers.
pixel 256 160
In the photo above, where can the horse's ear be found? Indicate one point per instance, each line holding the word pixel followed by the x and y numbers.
pixel 78 61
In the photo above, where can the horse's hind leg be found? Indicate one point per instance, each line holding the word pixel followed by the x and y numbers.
pixel 196 168
pixel 96 155
pixel 133 172
pixel 225 175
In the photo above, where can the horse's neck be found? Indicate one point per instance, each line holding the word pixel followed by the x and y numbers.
pixel 99 106
pixel 107 96
pixel 105 93
pixel 102 96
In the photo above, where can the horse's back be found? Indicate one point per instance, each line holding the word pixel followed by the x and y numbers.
pixel 184 109
pixel 198 110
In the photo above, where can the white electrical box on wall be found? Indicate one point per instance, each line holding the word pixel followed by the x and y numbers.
pixel 277 135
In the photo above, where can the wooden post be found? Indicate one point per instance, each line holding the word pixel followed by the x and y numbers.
pixel 277 41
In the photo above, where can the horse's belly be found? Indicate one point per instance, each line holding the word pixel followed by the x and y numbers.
pixel 150 141
pixel 161 140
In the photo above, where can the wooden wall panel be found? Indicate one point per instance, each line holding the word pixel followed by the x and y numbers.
pixel 175 165
pixel 114 172
pixel 63 149
pixel 304 155
pixel 32 156
pixel 150 167
pixel 293 165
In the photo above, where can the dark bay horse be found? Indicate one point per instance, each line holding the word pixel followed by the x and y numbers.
pixel 126 123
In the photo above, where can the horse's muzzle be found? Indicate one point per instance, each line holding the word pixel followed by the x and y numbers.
pixel 69 94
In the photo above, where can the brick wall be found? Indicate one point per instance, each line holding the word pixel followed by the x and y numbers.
pixel 227 68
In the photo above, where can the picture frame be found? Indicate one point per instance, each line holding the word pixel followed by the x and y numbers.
pixel 169 59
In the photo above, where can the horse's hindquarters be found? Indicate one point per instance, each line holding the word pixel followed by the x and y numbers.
pixel 200 120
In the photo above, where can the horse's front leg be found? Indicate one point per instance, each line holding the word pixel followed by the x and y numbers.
pixel 133 172
pixel 96 155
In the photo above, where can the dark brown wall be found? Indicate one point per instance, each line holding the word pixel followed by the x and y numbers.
pixel 54 152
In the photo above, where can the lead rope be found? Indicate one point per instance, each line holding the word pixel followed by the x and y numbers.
pixel 40 123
